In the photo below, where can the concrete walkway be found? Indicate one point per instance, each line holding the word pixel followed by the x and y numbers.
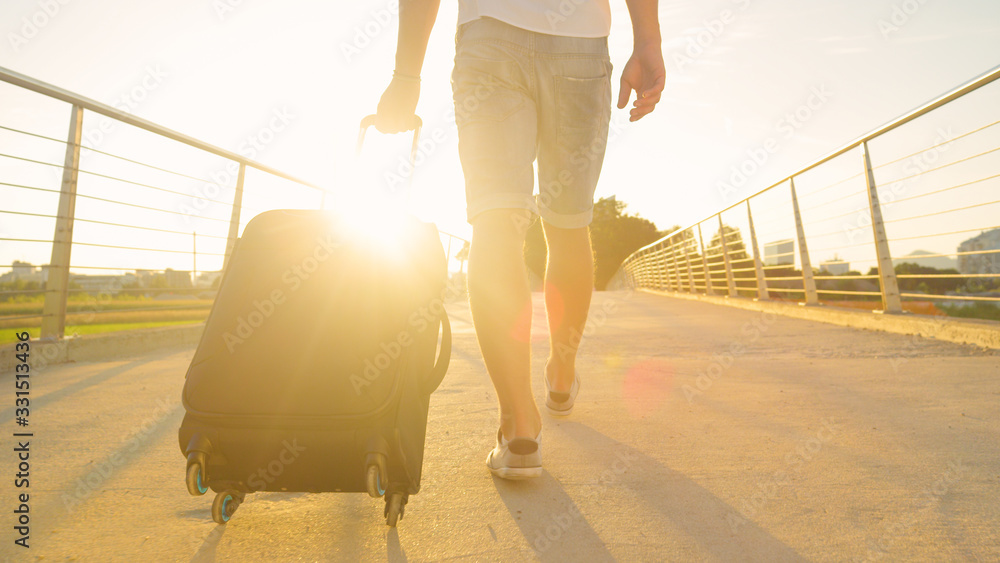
pixel 701 433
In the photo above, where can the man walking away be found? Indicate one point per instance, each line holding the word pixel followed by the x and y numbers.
pixel 532 81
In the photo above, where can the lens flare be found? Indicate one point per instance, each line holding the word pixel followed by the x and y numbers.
pixel 377 222
pixel 647 386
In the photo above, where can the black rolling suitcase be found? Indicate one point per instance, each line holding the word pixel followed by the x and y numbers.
pixel 317 363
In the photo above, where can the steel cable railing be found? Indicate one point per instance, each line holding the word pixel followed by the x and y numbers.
pixel 931 197
pixel 174 239
pixel 138 260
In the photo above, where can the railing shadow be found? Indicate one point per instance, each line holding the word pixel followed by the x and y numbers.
pixel 694 510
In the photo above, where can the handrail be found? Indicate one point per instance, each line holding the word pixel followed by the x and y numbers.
pixel 28 83
pixel 977 279
pixel 972 85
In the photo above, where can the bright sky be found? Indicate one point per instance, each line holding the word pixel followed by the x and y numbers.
pixel 299 74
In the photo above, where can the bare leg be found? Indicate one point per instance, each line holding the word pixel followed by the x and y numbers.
pixel 500 300
pixel 569 284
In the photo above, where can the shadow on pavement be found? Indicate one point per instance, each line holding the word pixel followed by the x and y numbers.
pixel 694 510
pixel 207 550
pixel 550 521
pixel 96 379
pixel 394 550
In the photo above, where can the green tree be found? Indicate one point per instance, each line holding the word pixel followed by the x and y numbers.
pixel 936 286
pixel 614 235
pixel 735 247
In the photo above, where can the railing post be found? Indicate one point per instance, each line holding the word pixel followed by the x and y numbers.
pixel 662 275
pixel 687 260
pixel 730 282
pixel 662 272
pixel 886 271
pixel 234 220
pixel 676 267
pixel 653 275
pixel 757 264
pixel 666 281
pixel 709 290
pixel 57 282
pixel 808 283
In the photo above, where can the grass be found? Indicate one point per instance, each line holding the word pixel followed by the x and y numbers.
pixel 110 312
pixel 91 305
pixel 8 336
pixel 95 316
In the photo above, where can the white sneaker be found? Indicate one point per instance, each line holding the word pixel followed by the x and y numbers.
pixel 561 403
pixel 520 458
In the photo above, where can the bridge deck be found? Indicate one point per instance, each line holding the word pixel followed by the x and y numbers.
pixel 800 441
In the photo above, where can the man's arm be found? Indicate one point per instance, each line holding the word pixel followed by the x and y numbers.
pixel 644 72
pixel 399 101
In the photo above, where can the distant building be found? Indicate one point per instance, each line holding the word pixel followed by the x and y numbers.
pixel 177 279
pixel 20 268
pixel 206 279
pixel 835 267
pixel 980 263
pixel 24 271
pixel 926 259
pixel 779 253
pixel 102 284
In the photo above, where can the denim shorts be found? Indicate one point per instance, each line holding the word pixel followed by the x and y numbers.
pixel 521 95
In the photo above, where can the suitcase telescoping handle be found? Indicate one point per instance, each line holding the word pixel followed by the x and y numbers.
pixel 415 125
pixel 437 372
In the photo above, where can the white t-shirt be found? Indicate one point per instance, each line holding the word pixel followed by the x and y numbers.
pixel 570 18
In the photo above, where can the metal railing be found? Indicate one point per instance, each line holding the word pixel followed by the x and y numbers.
pixel 161 238
pixel 939 184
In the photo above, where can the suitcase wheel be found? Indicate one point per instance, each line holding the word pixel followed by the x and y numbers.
pixel 225 504
pixel 196 483
pixel 373 481
pixel 395 505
